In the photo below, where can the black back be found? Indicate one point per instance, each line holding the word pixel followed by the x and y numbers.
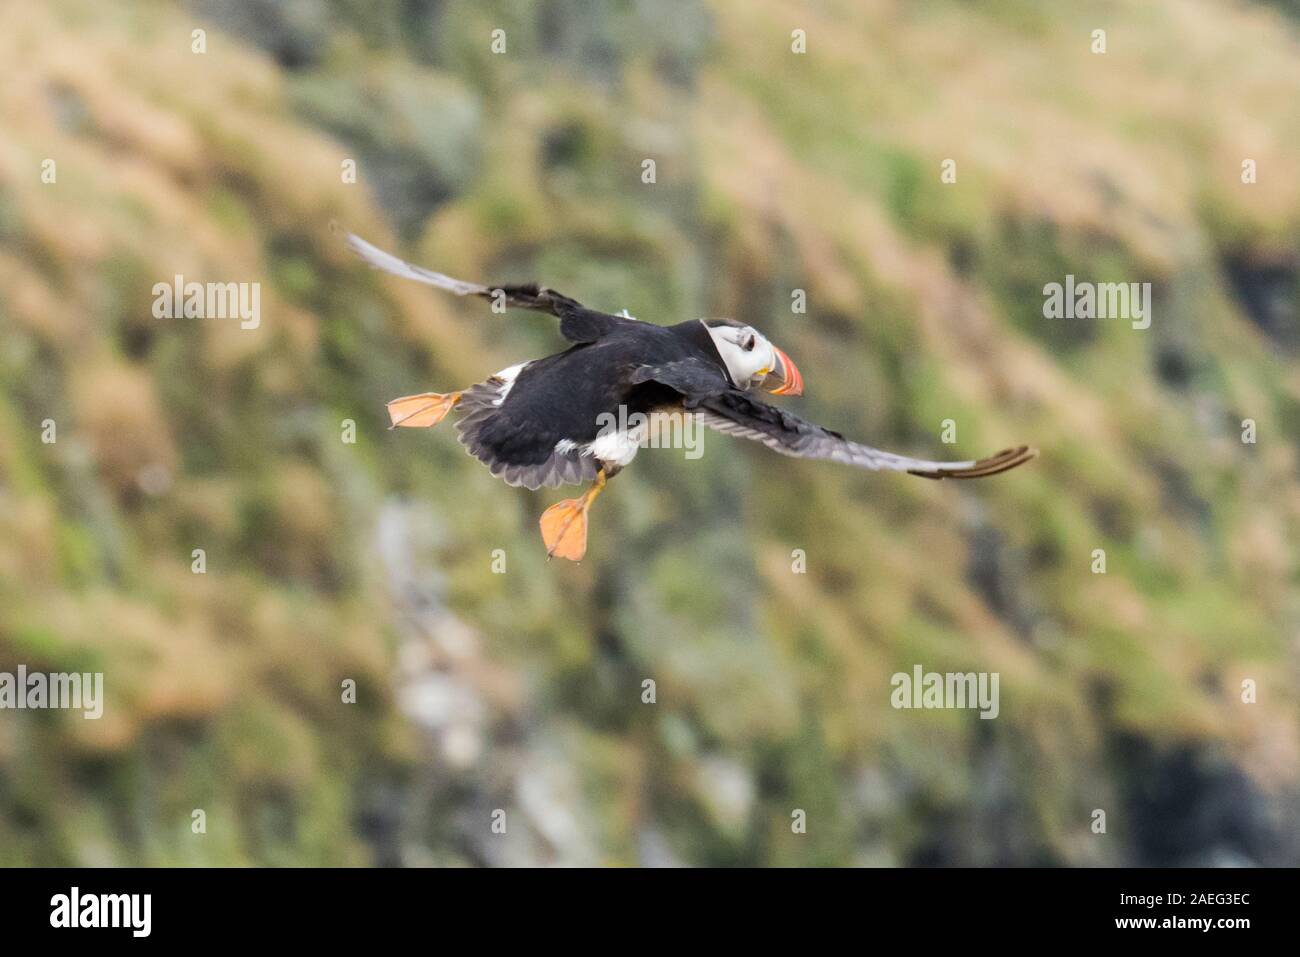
pixel 564 395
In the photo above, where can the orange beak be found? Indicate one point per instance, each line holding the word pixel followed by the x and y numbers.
pixel 785 378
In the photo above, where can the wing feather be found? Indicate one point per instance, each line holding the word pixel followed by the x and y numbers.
pixel 577 322
pixel 693 377
pixel 737 413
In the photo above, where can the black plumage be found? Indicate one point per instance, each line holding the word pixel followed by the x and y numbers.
pixel 562 398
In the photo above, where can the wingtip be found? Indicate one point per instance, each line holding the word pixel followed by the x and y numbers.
pixel 1003 461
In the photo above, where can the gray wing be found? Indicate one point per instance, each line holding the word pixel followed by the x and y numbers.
pixel 577 322
pixel 737 413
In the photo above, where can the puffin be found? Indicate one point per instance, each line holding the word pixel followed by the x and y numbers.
pixel 548 422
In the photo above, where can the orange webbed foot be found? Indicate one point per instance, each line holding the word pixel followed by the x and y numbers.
pixel 421 411
pixel 564 529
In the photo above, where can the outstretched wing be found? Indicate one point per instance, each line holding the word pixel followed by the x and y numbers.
pixel 737 413
pixel 577 322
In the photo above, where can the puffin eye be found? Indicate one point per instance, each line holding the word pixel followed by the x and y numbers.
pixel 748 344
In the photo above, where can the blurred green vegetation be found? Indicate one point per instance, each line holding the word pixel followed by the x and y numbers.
pixel 372 561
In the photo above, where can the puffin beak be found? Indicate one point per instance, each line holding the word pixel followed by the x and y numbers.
pixel 785 378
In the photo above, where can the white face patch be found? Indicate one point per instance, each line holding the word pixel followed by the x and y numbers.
pixel 748 355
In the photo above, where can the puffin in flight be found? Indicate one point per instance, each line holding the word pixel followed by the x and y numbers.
pixel 546 421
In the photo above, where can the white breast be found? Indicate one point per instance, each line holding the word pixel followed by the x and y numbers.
pixel 617 447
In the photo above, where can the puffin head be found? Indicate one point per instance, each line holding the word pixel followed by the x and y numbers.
pixel 752 361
